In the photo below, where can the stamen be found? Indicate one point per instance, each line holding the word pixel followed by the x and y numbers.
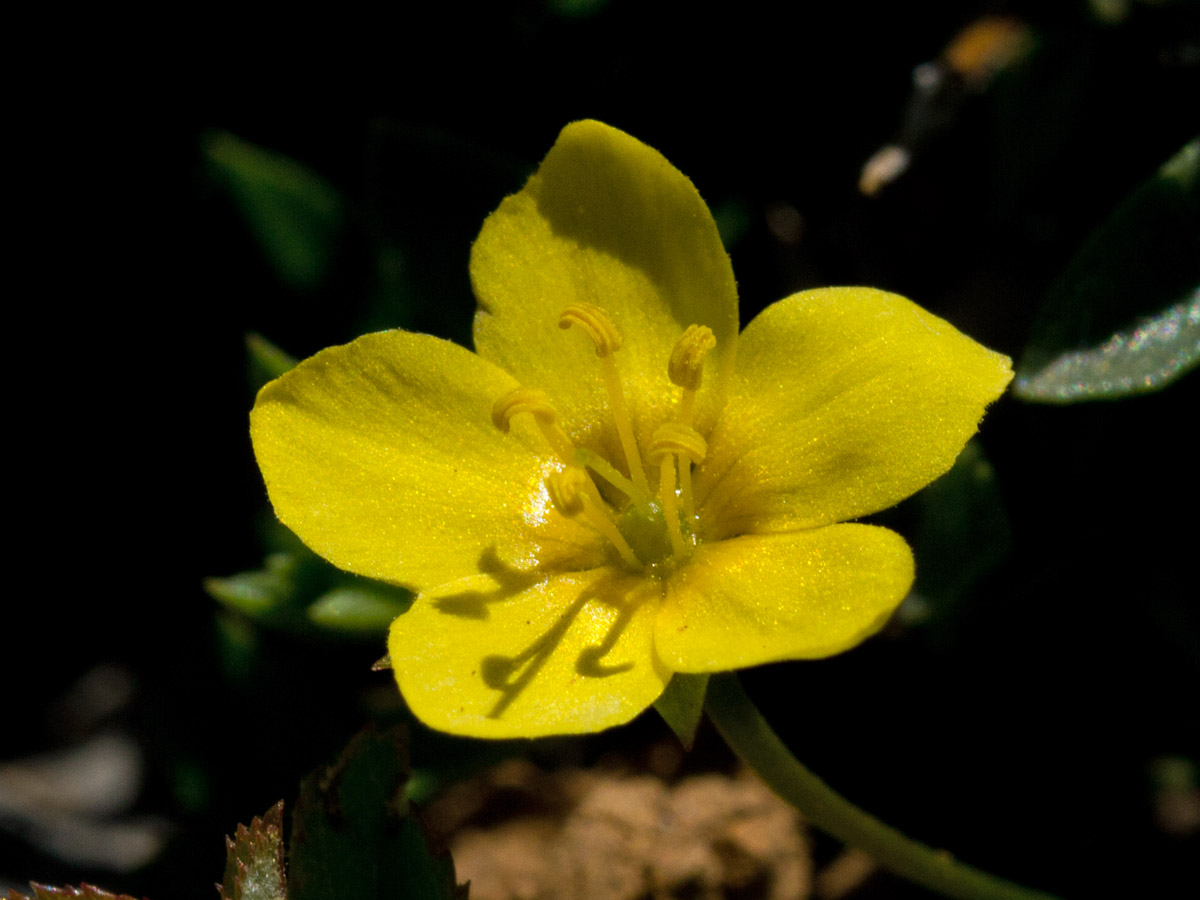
pixel 596 323
pixel 534 402
pixel 673 437
pixel 672 441
pixel 609 473
pixel 604 335
pixel 686 366
pixel 571 492
pixel 687 359
pixel 666 487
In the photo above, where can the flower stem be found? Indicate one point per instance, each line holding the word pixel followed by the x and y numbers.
pixel 747 732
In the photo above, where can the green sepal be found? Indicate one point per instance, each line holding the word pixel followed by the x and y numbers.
pixel 682 704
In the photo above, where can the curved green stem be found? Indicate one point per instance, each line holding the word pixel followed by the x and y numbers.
pixel 747 732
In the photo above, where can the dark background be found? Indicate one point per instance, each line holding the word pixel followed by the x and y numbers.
pixel 1024 735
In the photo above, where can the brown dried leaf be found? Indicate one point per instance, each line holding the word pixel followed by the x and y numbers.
pixel 83 892
pixel 254 860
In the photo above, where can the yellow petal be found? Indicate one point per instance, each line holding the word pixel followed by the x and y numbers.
pixel 381 455
pixel 765 598
pixel 505 659
pixel 845 401
pixel 605 220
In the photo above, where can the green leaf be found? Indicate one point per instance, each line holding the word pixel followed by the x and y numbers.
pixel 254 860
pixel 1124 318
pixel 366 609
pixel 353 837
pixel 1146 358
pixel 682 704
pixel 295 215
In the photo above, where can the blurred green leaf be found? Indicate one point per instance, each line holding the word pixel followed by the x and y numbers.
pixel 298 591
pixel 254 860
pixel 1124 318
pixel 576 9
pixel 364 609
pixel 394 294
pixel 733 218
pixel 295 215
pixel 353 835
pixel 267 362
pixel 682 704
pixel 961 533
pixel 237 646
pixel 260 592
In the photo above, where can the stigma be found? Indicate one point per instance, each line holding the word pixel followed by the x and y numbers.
pixel 647 516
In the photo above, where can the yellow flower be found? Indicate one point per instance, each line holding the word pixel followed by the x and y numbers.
pixel 616 486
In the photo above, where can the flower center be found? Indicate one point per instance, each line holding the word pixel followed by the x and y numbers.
pixel 645 529
pixel 649 530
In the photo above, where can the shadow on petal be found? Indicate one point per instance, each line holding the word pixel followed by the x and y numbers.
pixel 510 675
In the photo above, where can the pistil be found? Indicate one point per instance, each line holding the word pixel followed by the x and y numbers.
pixel 572 491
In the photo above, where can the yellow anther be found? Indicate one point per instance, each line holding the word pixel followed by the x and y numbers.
pixel 534 402
pixel 596 323
pixel 674 438
pixel 566 489
pixel 686 365
pixel 522 400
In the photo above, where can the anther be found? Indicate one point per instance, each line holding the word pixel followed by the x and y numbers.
pixel 522 400
pixel 596 323
pixel 534 402
pixel 673 437
pixel 686 365
pixel 566 489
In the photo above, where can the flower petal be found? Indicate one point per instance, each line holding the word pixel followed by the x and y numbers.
pixel 765 598
pixel 381 455
pixel 492 658
pixel 845 401
pixel 605 220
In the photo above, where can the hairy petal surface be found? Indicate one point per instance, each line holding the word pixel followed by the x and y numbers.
pixel 844 402
pixel 765 598
pixel 381 455
pixel 605 220
pixel 498 658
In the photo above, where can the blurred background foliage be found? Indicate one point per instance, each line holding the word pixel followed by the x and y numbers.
pixel 242 193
